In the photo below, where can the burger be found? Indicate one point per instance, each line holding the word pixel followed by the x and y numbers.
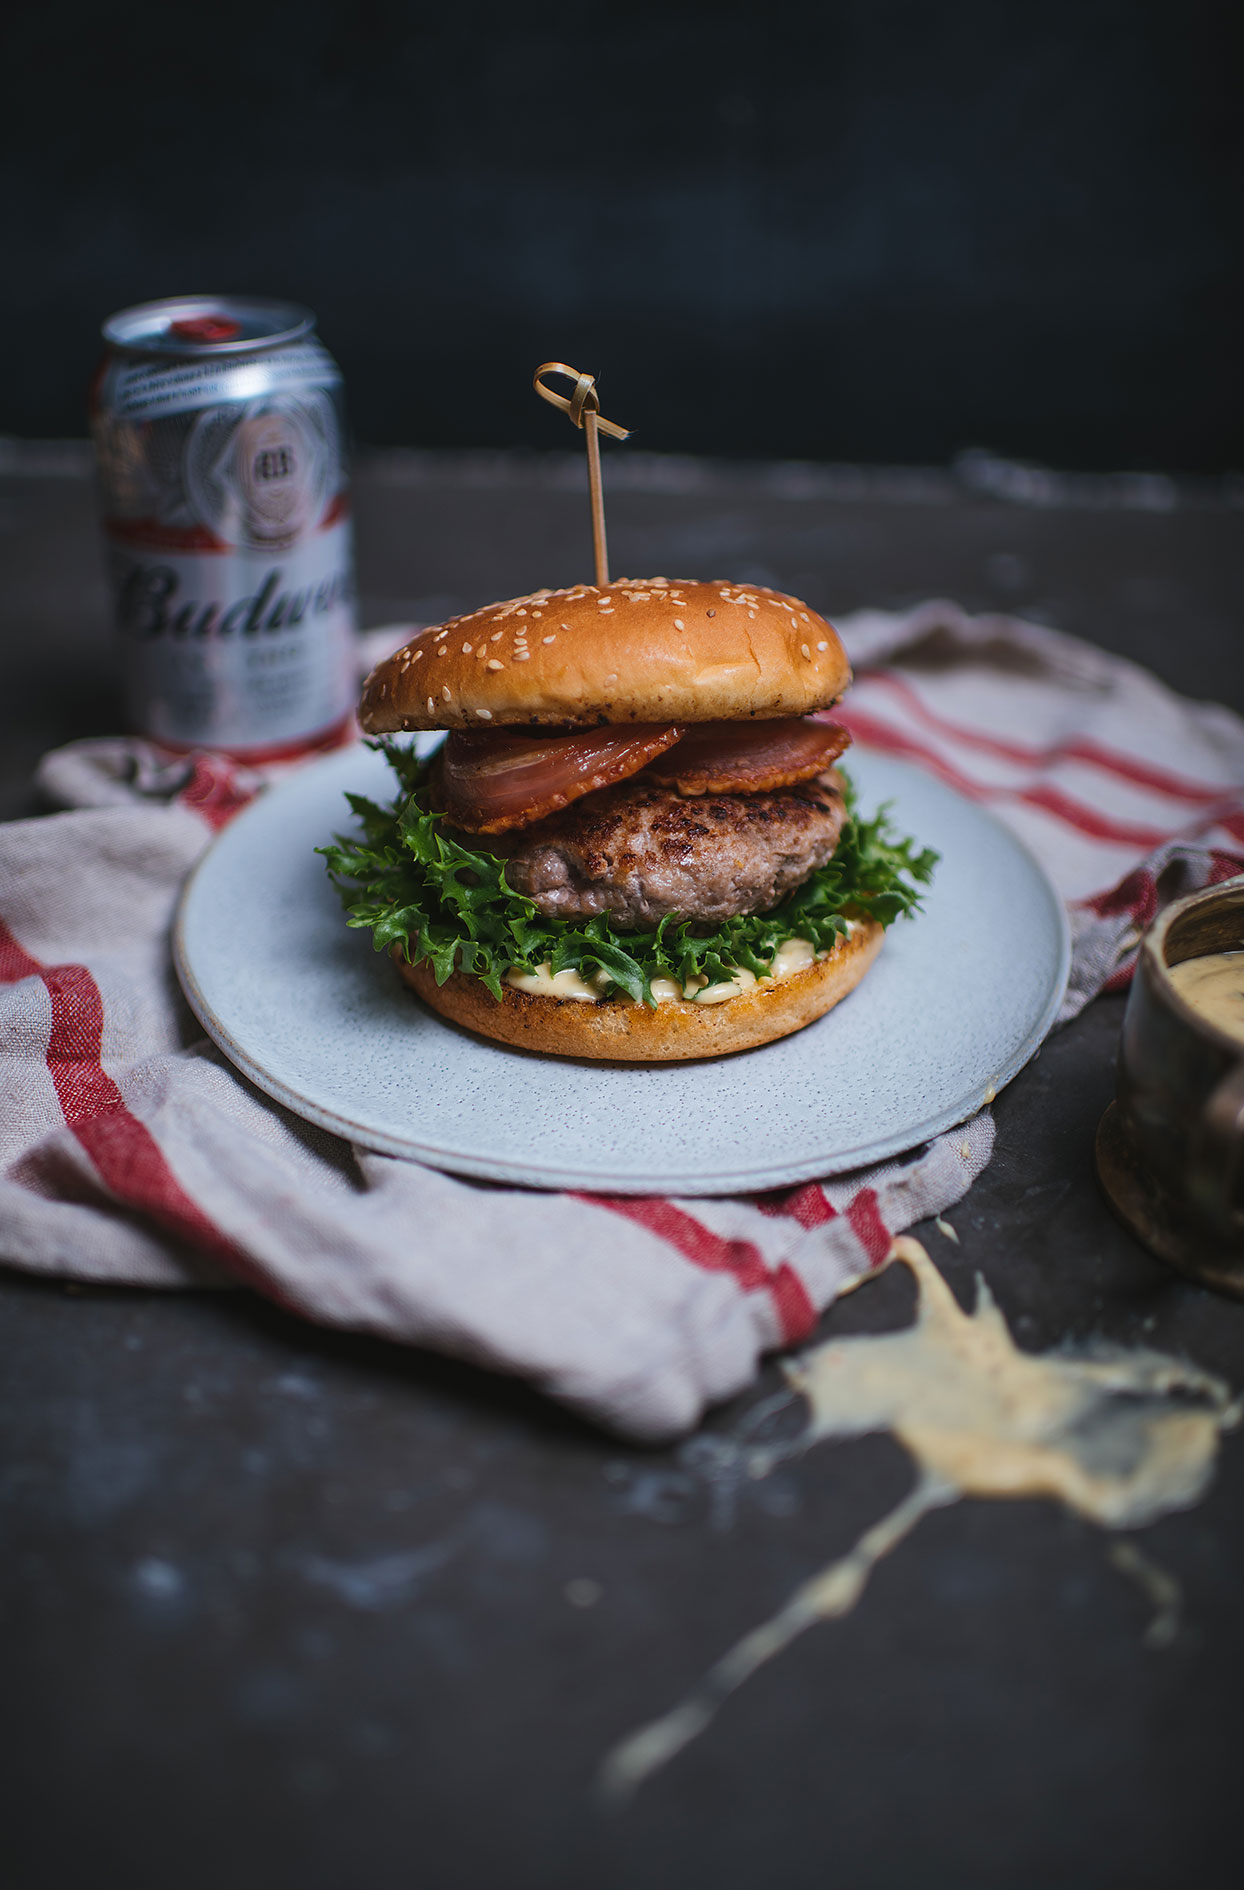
pixel 634 842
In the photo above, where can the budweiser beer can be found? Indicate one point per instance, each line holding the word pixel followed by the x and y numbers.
pixel 220 436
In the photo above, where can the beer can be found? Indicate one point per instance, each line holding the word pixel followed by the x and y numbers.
pixel 220 437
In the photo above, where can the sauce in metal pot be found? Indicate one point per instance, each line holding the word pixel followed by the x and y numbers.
pixel 1214 987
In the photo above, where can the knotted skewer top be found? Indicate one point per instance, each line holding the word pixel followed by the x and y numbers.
pixel 583 401
pixel 583 408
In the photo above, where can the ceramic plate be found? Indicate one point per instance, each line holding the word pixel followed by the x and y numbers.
pixel 957 1002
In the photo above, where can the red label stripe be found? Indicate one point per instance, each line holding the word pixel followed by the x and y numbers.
pixel 153 535
pixel 125 1153
pixel 715 1254
pixel 1126 767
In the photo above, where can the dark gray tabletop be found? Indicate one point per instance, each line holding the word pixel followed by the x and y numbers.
pixel 286 1607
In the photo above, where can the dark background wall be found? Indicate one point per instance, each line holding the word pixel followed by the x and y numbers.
pixel 863 229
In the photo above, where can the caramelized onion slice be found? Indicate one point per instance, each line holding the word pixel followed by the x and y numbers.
pixel 489 780
pixel 749 757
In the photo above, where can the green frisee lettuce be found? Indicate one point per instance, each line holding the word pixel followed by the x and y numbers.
pixel 413 882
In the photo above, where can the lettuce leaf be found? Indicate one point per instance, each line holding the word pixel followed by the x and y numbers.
pixel 413 882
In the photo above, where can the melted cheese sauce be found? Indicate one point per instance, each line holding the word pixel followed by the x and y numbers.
pixel 663 989
pixel 720 993
pixel 1119 1437
pixel 1214 987
pixel 545 982
pixel 791 957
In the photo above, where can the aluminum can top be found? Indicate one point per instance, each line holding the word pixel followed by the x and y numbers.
pixel 187 327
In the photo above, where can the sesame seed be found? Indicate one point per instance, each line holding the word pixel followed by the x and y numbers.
pixel 494 664
pixel 550 639
pixel 822 646
pixel 496 636
pixel 416 656
pixel 679 624
pixel 807 652
pixel 466 649
pixel 445 691
pixel 442 649
pixel 537 613
pixel 485 715
pixel 520 613
pixel 712 613
pixel 520 656
pixel 431 704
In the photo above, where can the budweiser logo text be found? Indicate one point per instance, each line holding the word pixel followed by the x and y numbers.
pixel 152 605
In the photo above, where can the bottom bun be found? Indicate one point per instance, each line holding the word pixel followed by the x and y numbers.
pixel 617 1031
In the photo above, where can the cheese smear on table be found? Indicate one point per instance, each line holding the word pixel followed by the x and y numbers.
pixel 791 957
pixel 1118 1436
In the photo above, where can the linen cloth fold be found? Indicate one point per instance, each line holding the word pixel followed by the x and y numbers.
pixel 131 1152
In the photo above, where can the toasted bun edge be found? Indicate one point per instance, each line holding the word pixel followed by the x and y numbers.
pixel 647 650
pixel 619 1032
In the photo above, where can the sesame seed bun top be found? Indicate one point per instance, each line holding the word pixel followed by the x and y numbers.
pixel 639 650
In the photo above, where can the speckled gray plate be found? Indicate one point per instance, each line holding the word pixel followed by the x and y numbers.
pixel 955 1005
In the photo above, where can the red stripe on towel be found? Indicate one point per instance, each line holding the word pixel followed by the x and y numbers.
pixel 869 1228
pixel 809 1205
pixel 1086 820
pixel 1124 767
pixel 213 791
pixel 126 1155
pixel 715 1254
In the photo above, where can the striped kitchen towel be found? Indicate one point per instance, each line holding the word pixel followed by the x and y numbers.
pixel 1129 795
pixel 133 1153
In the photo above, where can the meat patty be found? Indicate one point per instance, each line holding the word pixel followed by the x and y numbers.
pixel 641 852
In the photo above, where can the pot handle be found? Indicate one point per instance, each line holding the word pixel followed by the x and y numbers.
pixel 1217 1152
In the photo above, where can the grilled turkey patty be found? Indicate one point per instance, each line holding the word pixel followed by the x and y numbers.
pixel 640 852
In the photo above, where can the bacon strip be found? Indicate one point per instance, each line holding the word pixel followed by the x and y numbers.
pixel 493 779
pixel 749 757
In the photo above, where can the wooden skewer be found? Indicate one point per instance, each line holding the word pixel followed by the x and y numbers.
pixel 583 408
pixel 601 549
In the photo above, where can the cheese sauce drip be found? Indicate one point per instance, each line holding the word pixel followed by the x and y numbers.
pixel 791 957
pixel 1118 1437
